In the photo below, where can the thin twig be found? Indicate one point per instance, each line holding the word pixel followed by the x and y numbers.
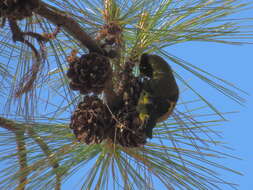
pixel 17 35
pixel 27 83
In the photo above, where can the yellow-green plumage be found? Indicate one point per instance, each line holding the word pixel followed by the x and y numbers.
pixel 160 91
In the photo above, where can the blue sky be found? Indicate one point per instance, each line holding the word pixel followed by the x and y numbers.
pixel 233 63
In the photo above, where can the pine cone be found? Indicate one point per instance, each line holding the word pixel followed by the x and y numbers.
pixel 91 121
pixel 89 73
pixel 17 9
pixel 129 132
pixel 129 86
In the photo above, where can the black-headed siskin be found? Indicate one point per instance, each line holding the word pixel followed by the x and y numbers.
pixel 160 91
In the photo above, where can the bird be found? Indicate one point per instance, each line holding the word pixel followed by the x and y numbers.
pixel 159 93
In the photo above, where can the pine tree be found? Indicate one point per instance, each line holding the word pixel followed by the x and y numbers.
pixel 71 86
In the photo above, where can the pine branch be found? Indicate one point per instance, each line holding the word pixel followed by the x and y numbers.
pixel 9 124
pixel 69 25
pixel 22 157
pixel 19 130
pixel 45 148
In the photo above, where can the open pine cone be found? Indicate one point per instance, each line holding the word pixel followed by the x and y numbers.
pixel 17 9
pixel 129 87
pixel 89 73
pixel 129 132
pixel 91 121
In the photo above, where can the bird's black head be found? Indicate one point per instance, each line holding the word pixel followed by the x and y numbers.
pixel 145 67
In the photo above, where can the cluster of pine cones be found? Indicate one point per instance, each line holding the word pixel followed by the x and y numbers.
pixel 94 121
pixel 17 9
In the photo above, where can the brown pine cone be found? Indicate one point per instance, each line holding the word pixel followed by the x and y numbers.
pixel 89 73
pixel 91 121
pixel 129 132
